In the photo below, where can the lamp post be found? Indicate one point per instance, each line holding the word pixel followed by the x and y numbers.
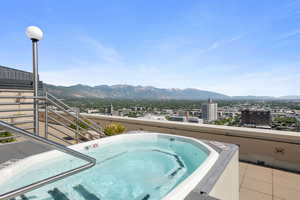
pixel 35 34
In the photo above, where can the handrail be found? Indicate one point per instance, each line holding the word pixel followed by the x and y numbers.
pixel 91 161
pixel 69 113
pixel 56 102
pixel 22 91
pixel 9 137
pixel 95 126
pixel 58 122
pixel 66 119
pixel 20 97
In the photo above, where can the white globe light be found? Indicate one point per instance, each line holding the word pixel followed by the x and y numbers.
pixel 34 33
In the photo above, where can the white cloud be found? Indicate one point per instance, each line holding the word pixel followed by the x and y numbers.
pixel 290 34
pixel 106 53
pixel 170 43
pixel 267 83
pixel 276 82
pixel 181 42
pixel 110 74
pixel 182 72
pixel 220 43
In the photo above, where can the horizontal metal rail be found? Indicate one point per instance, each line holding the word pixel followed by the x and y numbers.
pixel 58 130
pixel 15 103
pixel 17 110
pixel 61 102
pixel 22 122
pixel 28 128
pixel 91 161
pixel 65 118
pixel 59 138
pixel 9 137
pixel 3 131
pixel 93 124
pixel 62 124
pixel 73 115
pixel 15 116
pixel 61 116
pixel 20 97
pixel 22 91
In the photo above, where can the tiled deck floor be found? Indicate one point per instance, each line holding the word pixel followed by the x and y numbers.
pixel 262 183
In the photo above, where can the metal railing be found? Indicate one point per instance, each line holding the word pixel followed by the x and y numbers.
pixel 67 117
pixel 85 120
pixel 16 108
pixel 56 112
pixel 9 137
pixel 14 193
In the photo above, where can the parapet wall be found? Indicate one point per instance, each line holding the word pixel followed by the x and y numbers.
pixel 279 149
pixel 12 108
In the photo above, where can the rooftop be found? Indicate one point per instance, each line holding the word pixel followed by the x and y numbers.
pixel 263 183
pixel 256 182
pixel 278 151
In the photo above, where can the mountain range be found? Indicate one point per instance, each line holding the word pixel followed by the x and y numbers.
pixel 146 92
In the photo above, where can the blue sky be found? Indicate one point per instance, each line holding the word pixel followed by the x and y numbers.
pixel 249 47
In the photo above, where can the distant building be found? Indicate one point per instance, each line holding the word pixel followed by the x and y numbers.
pixel 90 111
pixel 110 109
pixel 138 108
pixel 124 111
pixel 115 113
pixel 181 113
pixel 256 118
pixel 16 79
pixel 177 118
pixel 74 109
pixel 195 112
pixel 297 112
pixel 209 111
pixel 195 120
pixel 153 117
pixel 298 124
pixel 168 111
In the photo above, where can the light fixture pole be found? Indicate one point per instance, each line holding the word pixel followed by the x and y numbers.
pixel 35 34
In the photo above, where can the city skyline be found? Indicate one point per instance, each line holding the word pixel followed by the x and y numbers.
pixel 232 47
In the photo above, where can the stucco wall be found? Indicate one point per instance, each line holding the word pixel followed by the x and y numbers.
pixel 228 181
pixel 18 107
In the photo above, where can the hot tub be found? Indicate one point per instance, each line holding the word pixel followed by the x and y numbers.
pixel 146 166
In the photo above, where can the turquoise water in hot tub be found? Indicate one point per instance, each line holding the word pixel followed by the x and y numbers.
pixel 142 169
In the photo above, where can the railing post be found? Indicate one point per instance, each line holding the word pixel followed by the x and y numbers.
pixel 35 34
pixel 77 127
pixel 46 114
pixel 35 86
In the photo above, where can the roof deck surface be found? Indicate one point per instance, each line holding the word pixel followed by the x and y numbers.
pixel 263 183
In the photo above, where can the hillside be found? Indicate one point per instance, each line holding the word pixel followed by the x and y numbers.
pixel 131 92
pixel 148 92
